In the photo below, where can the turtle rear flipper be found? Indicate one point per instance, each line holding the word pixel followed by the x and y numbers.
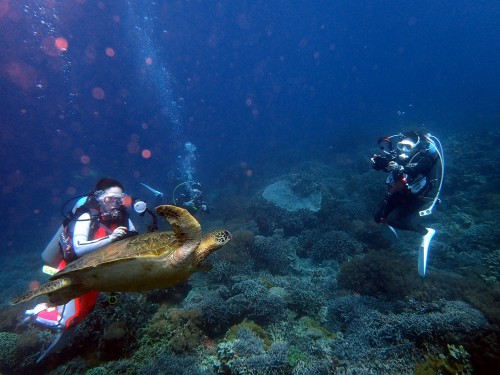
pixel 48 287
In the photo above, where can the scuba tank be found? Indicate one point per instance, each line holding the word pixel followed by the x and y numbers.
pixel 52 255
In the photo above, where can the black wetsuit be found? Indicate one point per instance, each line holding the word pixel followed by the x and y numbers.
pixel 401 203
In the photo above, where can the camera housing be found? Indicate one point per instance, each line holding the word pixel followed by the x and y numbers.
pixel 379 163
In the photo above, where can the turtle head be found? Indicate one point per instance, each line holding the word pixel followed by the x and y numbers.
pixel 211 242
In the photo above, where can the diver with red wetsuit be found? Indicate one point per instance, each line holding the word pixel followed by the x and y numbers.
pixel 101 220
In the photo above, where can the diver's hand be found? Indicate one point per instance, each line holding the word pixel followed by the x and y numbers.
pixel 393 166
pixel 117 234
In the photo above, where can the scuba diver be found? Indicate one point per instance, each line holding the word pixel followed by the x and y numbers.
pixel 97 220
pixel 410 166
pixel 191 197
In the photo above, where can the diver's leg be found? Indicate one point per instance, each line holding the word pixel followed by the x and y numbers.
pixel 385 209
pixel 51 317
pixel 404 215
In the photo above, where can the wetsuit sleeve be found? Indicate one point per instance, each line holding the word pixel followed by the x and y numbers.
pixel 81 243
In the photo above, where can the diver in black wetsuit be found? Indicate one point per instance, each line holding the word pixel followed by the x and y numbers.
pixel 408 182
pixel 192 198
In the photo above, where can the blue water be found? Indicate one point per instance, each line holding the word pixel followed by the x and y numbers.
pixel 241 80
pixel 245 81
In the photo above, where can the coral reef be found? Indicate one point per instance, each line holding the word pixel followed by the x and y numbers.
pixel 379 273
pixel 222 271
pixel 168 363
pixel 246 354
pixel 293 196
pixel 8 350
pixel 269 218
pixel 274 253
pixel 455 362
pixel 307 291
pixel 337 245
pixel 251 326
pixel 291 202
pixel 369 325
pixel 305 299
pixel 246 299
pixel 484 348
pixel 112 330
pixel 175 329
pixel 237 251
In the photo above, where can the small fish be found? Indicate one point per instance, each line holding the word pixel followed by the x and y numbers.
pixel 155 192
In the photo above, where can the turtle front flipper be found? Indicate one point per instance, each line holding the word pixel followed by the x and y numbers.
pixel 210 243
pixel 48 287
pixel 186 228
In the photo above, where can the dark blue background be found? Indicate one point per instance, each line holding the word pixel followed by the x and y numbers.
pixel 249 79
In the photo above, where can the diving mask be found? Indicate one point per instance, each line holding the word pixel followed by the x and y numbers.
pixel 405 145
pixel 112 199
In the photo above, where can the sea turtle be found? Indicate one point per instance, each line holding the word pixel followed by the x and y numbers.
pixel 140 263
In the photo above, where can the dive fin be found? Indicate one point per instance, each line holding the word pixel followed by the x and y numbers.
pixel 389 233
pixel 424 251
pixel 155 192
pixel 61 340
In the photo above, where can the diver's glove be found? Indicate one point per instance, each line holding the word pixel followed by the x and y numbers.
pixel 393 166
pixel 118 233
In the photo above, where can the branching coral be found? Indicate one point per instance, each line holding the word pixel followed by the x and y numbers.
pixel 305 300
pixel 251 326
pixel 337 245
pixel 246 354
pixel 380 330
pixel 274 253
pixel 8 343
pixel 379 273
pixel 176 329
pixel 246 299
pixel 455 362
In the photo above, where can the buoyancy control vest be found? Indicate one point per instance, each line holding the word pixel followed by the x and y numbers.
pixel 61 245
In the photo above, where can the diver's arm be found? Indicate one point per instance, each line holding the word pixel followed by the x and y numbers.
pixel 81 244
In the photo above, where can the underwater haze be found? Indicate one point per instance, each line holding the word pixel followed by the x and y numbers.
pixel 239 95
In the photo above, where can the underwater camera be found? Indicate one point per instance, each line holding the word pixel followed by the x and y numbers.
pixel 379 163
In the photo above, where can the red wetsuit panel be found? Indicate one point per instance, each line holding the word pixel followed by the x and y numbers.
pixel 85 303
